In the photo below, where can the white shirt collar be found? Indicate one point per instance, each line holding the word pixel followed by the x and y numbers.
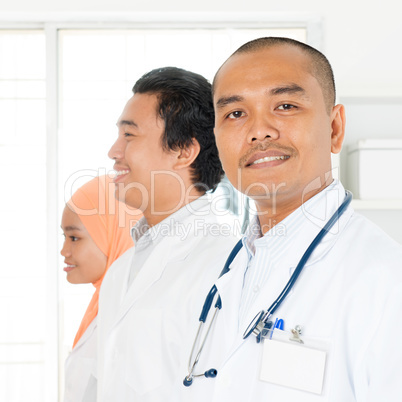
pixel 151 234
pixel 310 216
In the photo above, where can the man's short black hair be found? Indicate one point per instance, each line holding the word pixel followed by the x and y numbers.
pixel 185 105
pixel 320 67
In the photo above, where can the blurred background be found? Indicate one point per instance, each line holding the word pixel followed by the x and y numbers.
pixel 66 71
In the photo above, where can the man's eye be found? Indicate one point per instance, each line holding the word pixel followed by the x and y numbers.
pixel 286 106
pixel 73 238
pixel 235 115
pixel 128 135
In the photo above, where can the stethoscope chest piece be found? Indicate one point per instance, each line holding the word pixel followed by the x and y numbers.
pixel 259 326
pixel 188 380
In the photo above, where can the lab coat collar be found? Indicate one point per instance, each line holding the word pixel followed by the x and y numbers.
pixel 316 212
pixel 302 226
pixel 199 207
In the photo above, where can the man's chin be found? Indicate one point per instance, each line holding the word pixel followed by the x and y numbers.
pixel 132 203
pixel 135 198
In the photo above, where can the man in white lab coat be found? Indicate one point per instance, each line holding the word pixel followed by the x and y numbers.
pixel 165 160
pixel 276 124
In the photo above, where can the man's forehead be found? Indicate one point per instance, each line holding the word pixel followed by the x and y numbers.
pixel 274 55
pixel 276 67
pixel 140 105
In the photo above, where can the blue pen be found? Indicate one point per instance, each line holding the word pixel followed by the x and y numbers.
pixel 279 323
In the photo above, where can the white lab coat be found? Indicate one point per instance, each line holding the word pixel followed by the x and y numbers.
pixel 145 331
pixel 349 297
pixel 80 368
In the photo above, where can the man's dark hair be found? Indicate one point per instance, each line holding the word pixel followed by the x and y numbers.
pixel 185 105
pixel 320 67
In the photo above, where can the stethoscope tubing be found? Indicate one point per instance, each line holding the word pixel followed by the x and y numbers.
pixel 211 294
pixel 288 287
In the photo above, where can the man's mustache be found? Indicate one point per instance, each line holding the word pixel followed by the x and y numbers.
pixel 262 147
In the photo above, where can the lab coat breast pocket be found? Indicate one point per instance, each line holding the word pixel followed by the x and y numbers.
pixel 298 363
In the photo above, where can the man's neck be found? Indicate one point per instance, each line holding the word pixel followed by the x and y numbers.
pixel 272 212
pixel 159 211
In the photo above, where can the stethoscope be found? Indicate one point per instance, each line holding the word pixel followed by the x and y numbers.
pixel 260 325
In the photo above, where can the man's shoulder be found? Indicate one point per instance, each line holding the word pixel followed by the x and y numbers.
pixel 204 237
pixel 369 231
pixel 369 242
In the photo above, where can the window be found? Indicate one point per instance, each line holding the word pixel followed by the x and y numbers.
pixel 72 108
pixel 23 216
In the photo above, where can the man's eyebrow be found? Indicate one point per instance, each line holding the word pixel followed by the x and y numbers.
pixel 224 101
pixel 287 89
pixel 127 123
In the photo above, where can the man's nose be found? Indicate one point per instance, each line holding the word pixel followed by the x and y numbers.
pixel 117 149
pixel 262 127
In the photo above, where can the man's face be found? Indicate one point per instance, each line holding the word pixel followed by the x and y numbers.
pixel 138 153
pixel 272 128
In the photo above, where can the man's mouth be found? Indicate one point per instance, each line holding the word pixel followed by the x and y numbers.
pixel 270 156
pixel 121 172
pixel 269 159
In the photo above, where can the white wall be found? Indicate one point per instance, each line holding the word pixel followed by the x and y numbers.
pixel 361 38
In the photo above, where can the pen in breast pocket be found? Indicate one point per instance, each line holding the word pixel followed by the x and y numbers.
pixel 280 324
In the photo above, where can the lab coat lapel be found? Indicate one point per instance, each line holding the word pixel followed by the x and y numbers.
pixel 169 251
pixel 230 287
pixel 113 289
pixel 147 276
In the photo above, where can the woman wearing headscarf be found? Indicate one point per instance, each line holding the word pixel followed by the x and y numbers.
pixel 97 232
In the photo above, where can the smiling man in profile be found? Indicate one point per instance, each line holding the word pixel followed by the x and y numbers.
pixel 166 160
pixel 276 124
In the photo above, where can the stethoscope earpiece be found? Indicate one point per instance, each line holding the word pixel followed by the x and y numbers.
pixel 211 373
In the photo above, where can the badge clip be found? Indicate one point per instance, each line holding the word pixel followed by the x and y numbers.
pixel 296 332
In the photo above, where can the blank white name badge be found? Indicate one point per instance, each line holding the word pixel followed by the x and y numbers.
pixel 293 365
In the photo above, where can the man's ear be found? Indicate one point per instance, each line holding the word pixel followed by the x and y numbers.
pixel 338 121
pixel 186 156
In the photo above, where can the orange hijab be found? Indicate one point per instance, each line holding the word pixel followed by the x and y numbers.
pixel 108 223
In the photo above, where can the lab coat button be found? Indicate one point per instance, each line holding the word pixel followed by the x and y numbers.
pixel 256 289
